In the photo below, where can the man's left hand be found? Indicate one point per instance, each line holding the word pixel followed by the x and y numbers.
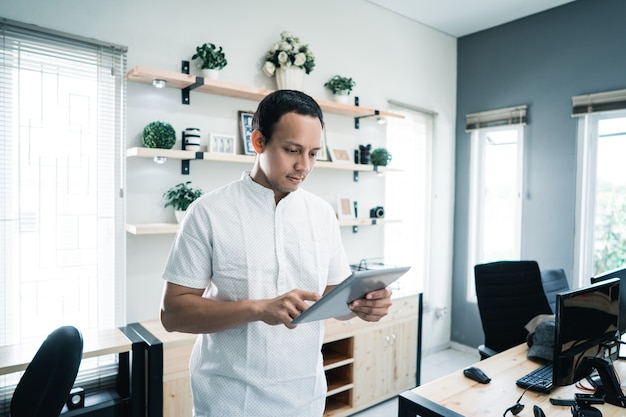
pixel 374 306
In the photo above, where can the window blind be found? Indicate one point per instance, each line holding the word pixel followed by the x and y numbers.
pixel 598 102
pixel 500 117
pixel 62 138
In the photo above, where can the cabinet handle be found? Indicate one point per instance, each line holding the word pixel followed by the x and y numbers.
pixel 393 338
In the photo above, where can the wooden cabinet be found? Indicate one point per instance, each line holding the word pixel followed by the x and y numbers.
pixel 365 363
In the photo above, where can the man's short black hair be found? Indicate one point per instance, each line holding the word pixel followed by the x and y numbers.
pixel 280 102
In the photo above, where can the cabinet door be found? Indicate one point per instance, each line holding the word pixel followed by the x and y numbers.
pixel 385 362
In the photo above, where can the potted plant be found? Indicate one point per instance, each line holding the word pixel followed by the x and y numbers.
pixel 180 197
pixel 158 135
pixel 380 157
pixel 340 87
pixel 289 60
pixel 212 60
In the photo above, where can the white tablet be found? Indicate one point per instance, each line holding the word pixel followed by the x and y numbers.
pixel 335 303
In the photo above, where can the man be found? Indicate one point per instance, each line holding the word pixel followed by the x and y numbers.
pixel 246 262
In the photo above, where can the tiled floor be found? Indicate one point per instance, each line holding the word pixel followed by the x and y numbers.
pixel 433 366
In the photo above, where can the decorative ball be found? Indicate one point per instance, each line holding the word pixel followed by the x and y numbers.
pixel 159 135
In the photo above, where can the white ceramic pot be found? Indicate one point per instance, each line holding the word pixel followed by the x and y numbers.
pixel 192 139
pixel 342 97
pixel 211 74
pixel 290 78
pixel 180 215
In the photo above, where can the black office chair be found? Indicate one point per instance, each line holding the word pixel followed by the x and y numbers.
pixel 509 295
pixel 45 386
pixel 554 281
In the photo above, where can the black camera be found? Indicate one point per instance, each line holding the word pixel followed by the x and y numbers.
pixel 377 212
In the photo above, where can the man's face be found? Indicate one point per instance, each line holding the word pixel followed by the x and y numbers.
pixel 290 155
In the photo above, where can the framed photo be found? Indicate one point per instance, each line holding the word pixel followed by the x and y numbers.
pixel 322 155
pixel 345 208
pixel 340 155
pixel 245 127
pixel 220 143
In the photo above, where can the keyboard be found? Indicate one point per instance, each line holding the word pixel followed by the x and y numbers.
pixel 539 380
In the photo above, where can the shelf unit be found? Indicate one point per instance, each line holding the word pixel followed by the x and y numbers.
pixel 182 81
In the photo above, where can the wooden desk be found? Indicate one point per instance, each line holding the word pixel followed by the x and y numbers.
pixel 455 395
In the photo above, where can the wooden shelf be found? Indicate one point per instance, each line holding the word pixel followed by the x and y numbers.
pixel 140 152
pixel 177 80
pixel 170 228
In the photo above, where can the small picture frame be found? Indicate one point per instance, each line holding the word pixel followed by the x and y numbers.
pixel 322 155
pixel 245 127
pixel 345 208
pixel 340 155
pixel 220 143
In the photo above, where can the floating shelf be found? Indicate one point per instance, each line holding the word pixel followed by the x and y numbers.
pixel 170 228
pixel 181 81
pixel 140 152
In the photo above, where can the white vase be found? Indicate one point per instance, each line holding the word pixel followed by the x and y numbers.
pixel 211 74
pixel 289 78
pixel 180 215
pixel 342 97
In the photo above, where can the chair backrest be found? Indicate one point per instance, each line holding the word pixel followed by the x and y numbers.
pixel 554 281
pixel 48 379
pixel 509 295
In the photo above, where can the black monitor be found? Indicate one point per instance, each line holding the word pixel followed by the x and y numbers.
pixel 621 274
pixel 586 325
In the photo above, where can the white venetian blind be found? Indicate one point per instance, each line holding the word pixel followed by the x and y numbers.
pixel 500 117
pixel 62 135
pixel 598 102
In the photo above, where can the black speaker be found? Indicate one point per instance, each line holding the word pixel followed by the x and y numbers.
pixel 76 399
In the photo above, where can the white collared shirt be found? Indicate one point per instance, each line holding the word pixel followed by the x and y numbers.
pixel 239 244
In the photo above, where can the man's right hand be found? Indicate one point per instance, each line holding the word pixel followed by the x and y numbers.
pixel 284 308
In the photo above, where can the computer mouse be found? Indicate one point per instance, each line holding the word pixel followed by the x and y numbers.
pixel 476 374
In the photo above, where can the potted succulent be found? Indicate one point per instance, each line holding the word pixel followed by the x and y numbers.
pixel 380 157
pixel 158 135
pixel 180 197
pixel 212 60
pixel 340 87
pixel 288 59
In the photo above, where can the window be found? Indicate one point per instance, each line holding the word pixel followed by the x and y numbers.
pixel 496 179
pixel 409 141
pixel 61 175
pixel 601 194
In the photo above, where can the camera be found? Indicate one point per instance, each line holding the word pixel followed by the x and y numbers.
pixel 377 212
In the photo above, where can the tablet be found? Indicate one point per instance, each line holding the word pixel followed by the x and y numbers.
pixel 335 303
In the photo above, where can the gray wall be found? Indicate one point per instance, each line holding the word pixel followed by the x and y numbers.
pixel 541 61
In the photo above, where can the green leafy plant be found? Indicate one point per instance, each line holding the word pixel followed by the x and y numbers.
pixel 288 52
pixel 158 135
pixel 210 56
pixel 338 84
pixel 181 196
pixel 380 157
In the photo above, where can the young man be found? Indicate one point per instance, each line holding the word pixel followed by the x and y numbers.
pixel 246 262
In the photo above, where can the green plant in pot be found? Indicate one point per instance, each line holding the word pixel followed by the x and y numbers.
pixel 180 197
pixel 211 59
pixel 158 135
pixel 380 157
pixel 340 87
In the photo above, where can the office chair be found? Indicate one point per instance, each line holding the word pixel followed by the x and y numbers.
pixel 44 388
pixel 554 281
pixel 509 295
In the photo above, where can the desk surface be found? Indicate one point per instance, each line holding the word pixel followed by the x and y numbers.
pixel 469 398
pixel 14 358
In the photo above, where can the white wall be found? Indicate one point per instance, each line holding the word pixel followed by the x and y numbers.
pixel 389 57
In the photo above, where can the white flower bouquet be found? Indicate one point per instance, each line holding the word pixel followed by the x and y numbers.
pixel 288 52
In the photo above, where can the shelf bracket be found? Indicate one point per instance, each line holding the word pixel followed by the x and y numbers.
pixel 356 119
pixel 185 91
pixel 355 176
pixel 184 164
pixel 355 229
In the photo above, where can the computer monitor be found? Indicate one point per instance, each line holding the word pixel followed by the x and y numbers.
pixel 586 325
pixel 621 274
